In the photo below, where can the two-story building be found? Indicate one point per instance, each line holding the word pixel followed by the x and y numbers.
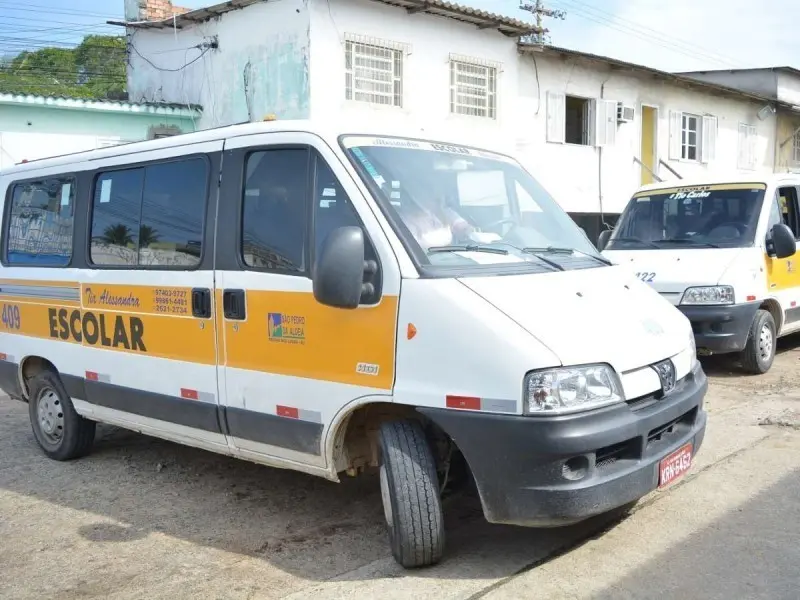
pixel 590 128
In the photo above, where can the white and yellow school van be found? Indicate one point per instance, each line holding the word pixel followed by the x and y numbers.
pixel 333 303
pixel 724 251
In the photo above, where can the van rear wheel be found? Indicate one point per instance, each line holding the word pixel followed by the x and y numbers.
pixel 410 492
pixel 759 352
pixel 60 431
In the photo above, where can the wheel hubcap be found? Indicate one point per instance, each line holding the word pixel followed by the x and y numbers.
pixel 51 415
pixel 385 497
pixel 765 343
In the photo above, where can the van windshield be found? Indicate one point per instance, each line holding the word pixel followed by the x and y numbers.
pixel 711 216
pixel 460 208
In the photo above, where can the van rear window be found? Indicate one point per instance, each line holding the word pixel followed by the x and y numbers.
pixel 40 222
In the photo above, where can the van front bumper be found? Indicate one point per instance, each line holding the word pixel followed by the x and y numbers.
pixel 525 466
pixel 721 329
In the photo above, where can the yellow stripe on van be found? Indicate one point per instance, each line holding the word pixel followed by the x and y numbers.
pixel 711 187
pixel 161 336
pixel 290 333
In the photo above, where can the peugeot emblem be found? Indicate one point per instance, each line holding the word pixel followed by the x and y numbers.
pixel 666 374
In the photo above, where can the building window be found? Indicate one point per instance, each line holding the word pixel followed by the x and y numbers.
pixel 747 146
pixel 373 71
pixel 274 210
pixel 150 216
pixel 473 88
pixel 577 116
pixel 690 136
pixel 40 222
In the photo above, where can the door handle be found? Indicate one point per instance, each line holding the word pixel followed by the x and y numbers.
pixel 233 304
pixel 201 303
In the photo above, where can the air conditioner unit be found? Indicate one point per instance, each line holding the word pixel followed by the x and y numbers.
pixel 625 114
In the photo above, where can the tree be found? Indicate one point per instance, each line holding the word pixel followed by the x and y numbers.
pixel 147 235
pixel 96 68
pixel 117 235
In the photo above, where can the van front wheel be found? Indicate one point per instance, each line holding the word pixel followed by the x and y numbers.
pixel 410 493
pixel 759 352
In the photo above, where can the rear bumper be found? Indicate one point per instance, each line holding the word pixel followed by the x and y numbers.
pixel 721 329
pixel 522 465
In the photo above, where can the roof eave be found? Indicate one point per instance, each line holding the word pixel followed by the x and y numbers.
pixel 110 106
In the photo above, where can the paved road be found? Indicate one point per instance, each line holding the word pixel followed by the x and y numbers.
pixel 143 518
pixel 753 552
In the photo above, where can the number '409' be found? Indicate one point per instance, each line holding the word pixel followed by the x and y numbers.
pixel 10 316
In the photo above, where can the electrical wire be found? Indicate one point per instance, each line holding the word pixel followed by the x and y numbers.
pixel 156 67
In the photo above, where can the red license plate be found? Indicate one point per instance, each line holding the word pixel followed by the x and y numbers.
pixel 674 465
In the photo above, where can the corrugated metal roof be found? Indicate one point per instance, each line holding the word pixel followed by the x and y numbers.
pixel 665 75
pixel 480 18
pixel 160 108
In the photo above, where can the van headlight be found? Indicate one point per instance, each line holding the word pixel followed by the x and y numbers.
pixel 571 389
pixel 709 294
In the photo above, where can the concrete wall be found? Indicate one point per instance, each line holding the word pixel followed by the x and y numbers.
pixel 31 132
pixel 787 125
pixel 260 67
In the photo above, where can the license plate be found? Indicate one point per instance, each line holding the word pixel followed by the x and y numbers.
pixel 674 465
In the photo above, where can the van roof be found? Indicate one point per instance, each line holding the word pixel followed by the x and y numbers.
pixel 721 178
pixel 322 129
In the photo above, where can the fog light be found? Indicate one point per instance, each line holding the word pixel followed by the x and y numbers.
pixel 575 468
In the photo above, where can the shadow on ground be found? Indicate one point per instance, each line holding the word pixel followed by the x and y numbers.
pixel 750 553
pixel 300 524
pixel 728 365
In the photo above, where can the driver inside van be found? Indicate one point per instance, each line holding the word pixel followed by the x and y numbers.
pixel 432 222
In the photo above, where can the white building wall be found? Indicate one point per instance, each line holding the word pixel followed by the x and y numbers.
pixel 429 41
pixel 260 66
pixel 572 172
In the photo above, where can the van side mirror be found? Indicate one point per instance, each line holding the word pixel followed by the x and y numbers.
pixel 338 274
pixel 602 239
pixel 781 243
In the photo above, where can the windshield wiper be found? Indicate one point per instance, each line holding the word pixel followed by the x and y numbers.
pixel 467 248
pixel 634 239
pixel 565 250
pixel 536 252
pixel 688 241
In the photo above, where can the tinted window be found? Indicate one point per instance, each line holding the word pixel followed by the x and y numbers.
pixel 115 220
pixel 40 222
pixel 274 209
pixel 173 208
pixel 150 216
pixel 332 206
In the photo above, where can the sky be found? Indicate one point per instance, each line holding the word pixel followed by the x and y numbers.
pixel 672 35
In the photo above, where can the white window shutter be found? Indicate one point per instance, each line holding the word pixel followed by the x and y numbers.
pixel 708 143
pixel 556 109
pixel 675 125
pixel 606 125
pixel 742 147
pixel 752 141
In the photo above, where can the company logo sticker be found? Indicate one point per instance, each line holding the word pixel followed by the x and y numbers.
pixel 287 329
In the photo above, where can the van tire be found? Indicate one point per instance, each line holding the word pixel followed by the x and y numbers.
pixel 410 493
pixel 60 431
pixel 759 352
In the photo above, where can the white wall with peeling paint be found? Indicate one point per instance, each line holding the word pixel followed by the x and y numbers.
pixel 260 66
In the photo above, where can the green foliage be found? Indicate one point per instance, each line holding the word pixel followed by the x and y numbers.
pixel 94 69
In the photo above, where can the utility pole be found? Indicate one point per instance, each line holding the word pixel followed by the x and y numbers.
pixel 538 10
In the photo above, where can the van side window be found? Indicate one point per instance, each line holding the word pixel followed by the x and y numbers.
pixel 40 222
pixel 274 209
pixel 790 209
pixel 150 216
